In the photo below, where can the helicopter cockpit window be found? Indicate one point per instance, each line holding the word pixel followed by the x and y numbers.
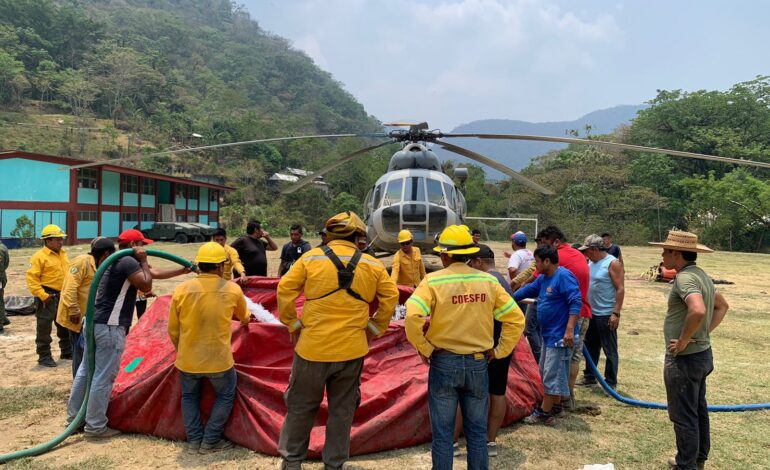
pixel 393 193
pixel 368 204
pixel 375 202
pixel 415 189
pixel 435 194
pixel 450 195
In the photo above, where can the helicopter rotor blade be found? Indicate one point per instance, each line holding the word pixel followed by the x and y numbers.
pixel 616 146
pixel 208 147
pixel 317 173
pixel 497 166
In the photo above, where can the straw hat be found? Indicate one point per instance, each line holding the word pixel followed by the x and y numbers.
pixel 683 241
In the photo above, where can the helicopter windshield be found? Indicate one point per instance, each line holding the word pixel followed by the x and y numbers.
pixel 393 193
pixel 415 189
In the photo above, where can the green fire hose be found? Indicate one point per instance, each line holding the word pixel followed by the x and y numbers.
pixel 90 358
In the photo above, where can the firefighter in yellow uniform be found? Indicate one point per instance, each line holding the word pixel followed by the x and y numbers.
pixel 200 327
pixel 233 261
pixel 44 281
pixel 331 338
pixel 462 303
pixel 408 268
pixel 74 293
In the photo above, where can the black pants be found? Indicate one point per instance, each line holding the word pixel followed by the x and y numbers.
pixel 685 378
pixel 600 337
pixel 46 318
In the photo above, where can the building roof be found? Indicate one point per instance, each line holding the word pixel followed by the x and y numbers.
pixel 69 161
pixel 282 177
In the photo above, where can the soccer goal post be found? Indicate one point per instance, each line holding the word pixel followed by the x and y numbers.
pixel 500 228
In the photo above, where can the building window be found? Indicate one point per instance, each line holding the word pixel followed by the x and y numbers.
pixel 130 184
pixel 213 195
pixel 88 216
pixel 148 186
pixel 148 217
pixel 181 191
pixel 192 218
pixel 193 192
pixel 88 178
pixel 130 217
pixel 180 218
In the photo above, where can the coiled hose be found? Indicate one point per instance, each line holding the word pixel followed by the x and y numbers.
pixel 90 357
pixel 660 406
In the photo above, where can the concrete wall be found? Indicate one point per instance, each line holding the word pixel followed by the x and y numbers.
pixel 110 224
pixel 87 229
pixel 148 200
pixel 110 190
pixel 88 196
pixel 30 180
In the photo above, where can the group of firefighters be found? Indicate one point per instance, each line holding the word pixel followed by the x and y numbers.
pixel 475 323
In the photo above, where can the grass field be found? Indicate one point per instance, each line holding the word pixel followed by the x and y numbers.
pixel 631 438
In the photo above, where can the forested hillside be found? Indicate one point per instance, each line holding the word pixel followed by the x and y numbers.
pixel 105 79
pixel 639 197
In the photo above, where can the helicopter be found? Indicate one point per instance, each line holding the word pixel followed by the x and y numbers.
pixel 415 193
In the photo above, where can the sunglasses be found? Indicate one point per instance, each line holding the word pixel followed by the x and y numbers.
pixel 407 243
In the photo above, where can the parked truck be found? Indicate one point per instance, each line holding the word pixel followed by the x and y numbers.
pixel 180 232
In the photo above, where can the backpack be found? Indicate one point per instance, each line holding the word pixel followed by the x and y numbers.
pixel 344 274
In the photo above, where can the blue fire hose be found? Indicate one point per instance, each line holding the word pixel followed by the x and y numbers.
pixel 660 406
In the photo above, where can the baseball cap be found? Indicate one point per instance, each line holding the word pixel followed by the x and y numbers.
pixel 133 235
pixel 101 244
pixel 519 237
pixel 592 241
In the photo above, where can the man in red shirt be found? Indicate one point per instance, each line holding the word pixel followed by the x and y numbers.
pixel 575 262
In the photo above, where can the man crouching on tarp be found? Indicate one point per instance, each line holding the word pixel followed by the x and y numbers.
pixel 331 338
pixel 199 324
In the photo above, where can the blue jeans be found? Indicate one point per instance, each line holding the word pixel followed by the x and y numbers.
pixel 685 379
pixel 77 341
pixel 532 331
pixel 459 379
pixel 110 341
pixel 224 387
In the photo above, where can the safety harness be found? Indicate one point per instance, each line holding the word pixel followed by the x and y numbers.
pixel 345 274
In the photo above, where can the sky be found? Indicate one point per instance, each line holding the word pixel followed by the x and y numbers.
pixel 450 62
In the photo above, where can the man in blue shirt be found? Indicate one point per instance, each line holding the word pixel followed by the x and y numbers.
pixel 558 308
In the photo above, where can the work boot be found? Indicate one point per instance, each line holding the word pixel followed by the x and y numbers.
pixel 586 382
pixel 104 433
pixel 673 466
pixel 46 361
pixel 193 447
pixel 222 444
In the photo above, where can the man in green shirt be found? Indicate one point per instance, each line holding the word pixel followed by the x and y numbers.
pixel 695 308
pixel 5 259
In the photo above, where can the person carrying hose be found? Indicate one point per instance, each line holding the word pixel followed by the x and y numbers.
pixel 113 313
pixel 45 277
pixel 199 324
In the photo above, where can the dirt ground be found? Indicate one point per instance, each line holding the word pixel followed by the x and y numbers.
pixel 33 399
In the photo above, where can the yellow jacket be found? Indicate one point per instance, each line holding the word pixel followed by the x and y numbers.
pixel 199 323
pixel 463 304
pixel 74 292
pixel 334 327
pixel 408 270
pixel 233 261
pixel 46 268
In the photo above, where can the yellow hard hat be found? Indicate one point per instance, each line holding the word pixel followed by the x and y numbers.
pixel 405 236
pixel 344 225
pixel 456 240
pixel 52 231
pixel 211 252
